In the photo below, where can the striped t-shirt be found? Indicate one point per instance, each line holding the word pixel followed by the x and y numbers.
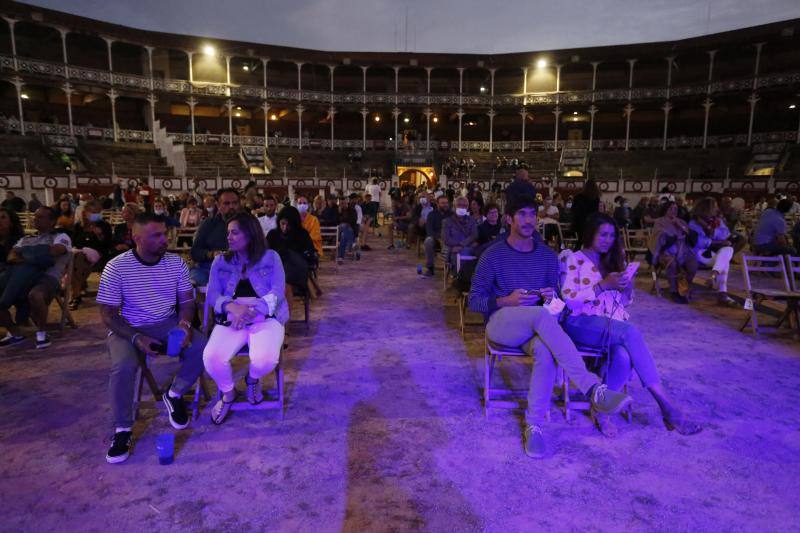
pixel 145 293
pixel 501 270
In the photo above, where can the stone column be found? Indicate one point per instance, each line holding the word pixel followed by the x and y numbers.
pixel 524 113
pixel 109 41
pixel 192 101
pixel 666 107
pixel 628 112
pixel 460 120
pixel 150 65
pixel 11 24
pixel 300 110
pixel 557 113
pixel 67 88
pixel 753 99
pixel 332 112
pixel 113 95
pixel 229 105
pixel 707 105
pixel 17 81
pixel 396 115
pixel 265 107
pixel 364 113
pixel 427 114
pixel 491 114
pixel 592 111
pixel 152 99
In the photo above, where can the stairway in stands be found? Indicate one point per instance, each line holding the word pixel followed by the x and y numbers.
pixel 766 159
pixel 18 153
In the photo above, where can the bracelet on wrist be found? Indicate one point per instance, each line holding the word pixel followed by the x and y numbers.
pixel 133 338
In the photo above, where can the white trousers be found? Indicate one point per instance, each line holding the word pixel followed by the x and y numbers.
pixel 720 262
pixel 264 340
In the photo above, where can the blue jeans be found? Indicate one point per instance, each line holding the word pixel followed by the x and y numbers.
pixel 627 348
pixel 346 239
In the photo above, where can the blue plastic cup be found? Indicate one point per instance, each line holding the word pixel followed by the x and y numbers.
pixel 174 341
pixel 419 269
pixel 165 448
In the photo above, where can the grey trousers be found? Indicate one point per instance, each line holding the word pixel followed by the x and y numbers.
pixel 430 251
pixel 125 362
pixel 539 334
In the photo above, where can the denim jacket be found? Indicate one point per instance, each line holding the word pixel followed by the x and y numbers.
pixel 267 277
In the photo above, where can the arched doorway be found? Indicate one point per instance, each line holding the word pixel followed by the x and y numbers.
pixel 417 176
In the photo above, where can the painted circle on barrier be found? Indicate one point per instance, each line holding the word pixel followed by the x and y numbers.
pixel 50 182
pixel 671 186
pixel 133 183
pixel 706 187
pixel 603 185
pixel 166 184
pixel 236 184
pixel 3 181
pixel 637 186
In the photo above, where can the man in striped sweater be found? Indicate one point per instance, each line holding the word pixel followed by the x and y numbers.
pixel 514 276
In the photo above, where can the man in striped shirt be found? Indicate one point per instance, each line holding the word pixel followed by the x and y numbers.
pixel 137 297
pixel 512 278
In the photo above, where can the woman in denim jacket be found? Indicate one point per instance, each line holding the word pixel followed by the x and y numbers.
pixel 246 289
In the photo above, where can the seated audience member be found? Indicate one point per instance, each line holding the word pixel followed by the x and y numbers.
pixel 512 278
pixel 191 215
pixel 91 248
pixel 637 215
pixel 209 206
pixel 13 202
pixel 369 216
pixel 348 226
pixel 596 291
pixel 123 232
pixel 160 209
pixel 34 203
pixel 11 232
pixel 34 268
pixel 586 202
pixel 548 209
pixel 622 213
pixel 330 215
pixel 489 230
pixel 713 246
pixel 419 216
pixel 460 232
pixel 269 220
pixel 138 293
pixel 65 216
pixel 296 249
pixel 770 236
pixel 83 199
pixel 310 223
pixel 401 218
pixel 211 237
pixel 520 186
pixel 669 249
pixel 433 232
pixel 318 205
pixel 476 210
pixel 246 289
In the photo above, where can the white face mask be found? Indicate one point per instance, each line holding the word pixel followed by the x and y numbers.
pixel 158 211
pixel 302 207
pixel 423 201
pixel 460 211
pixel 210 209
pixel 569 205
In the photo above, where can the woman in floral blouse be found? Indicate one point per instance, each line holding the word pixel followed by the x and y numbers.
pixel 596 289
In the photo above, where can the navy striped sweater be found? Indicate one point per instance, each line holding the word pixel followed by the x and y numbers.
pixel 501 270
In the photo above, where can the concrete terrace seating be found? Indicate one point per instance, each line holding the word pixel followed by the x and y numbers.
pixel 540 163
pixel 130 159
pixel 18 152
pixel 670 164
pixel 327 163
pixel 210 161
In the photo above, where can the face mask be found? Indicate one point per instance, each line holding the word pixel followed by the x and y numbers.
pixel 95 217
pixel 302 207
pixel 210 209
pixel 423 201
pixel 569 205
pixel 158 211
pixel 460 211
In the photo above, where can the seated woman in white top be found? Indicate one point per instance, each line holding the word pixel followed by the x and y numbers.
pixel 596 287
pixel 713 246
pixel 246 288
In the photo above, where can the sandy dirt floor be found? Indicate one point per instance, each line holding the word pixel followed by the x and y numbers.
pixel 385 431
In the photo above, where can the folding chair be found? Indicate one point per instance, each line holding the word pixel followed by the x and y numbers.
pixel 330 239
pixel 463 296
pixel 569 403
pixel 144 374
pixel 272 399
pixel 506 398
pixel 757 295
pixel 635 241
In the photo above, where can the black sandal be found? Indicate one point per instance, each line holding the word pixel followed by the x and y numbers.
pixel 221 409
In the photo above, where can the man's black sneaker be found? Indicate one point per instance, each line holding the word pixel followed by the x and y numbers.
pixel 176 409
pixel 120 447
pixel 429 273
pixel 11 340
pixel 44 343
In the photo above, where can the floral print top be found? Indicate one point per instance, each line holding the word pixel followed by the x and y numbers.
pixel 579 275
